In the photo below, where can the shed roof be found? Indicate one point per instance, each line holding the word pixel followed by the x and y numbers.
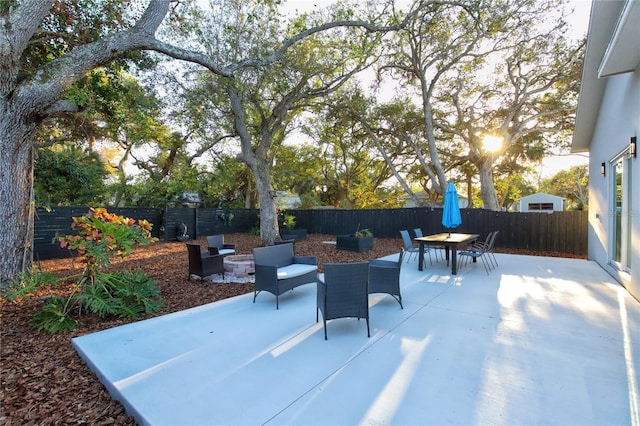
pixel 541 195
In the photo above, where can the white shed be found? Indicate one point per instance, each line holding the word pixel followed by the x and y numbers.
pixel 542 203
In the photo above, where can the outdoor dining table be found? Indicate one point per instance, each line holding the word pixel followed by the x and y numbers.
pixel 450 241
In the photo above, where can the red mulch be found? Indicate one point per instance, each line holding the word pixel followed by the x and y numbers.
pixel 44 381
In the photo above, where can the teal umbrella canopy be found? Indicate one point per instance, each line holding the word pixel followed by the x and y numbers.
pixel 451 213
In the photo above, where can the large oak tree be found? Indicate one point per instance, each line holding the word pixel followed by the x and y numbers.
pixel 45 46
pixel 32 88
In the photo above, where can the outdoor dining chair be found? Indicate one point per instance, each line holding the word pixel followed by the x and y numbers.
pixel 384 277
pixel 479 251
pixel 410 249
pixel 342 292
pixel 490 248
pixel 418 234
pixel 203 264
pixel 487 246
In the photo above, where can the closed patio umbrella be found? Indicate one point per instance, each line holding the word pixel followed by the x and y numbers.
pixel 451 213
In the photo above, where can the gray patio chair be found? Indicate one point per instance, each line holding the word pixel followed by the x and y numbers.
pixel 478 251
pixel 342 292
pixel 384 277
pixel 216 245
pixel 492 244
pixel 487 246
pixel 203 264
pixel 418 233
pixel 410 249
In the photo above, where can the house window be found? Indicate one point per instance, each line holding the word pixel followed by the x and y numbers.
pixel 540 206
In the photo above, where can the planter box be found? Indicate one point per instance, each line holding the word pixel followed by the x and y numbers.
pixel 294 234
pixel 352 243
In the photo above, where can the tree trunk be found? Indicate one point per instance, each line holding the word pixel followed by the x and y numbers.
pixel 487 188
pixel 257 160
pixel 15 194
pixel 269 230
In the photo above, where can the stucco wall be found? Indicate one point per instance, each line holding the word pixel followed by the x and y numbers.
pixel 618 120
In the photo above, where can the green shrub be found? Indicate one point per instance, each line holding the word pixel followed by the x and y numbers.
pixel 26 284
pixel 124 294
pixel 102 236
pixel 54 316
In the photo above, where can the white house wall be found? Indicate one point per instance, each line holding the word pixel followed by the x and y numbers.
pixel 618 120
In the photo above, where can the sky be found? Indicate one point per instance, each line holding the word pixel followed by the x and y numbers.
pixel 579 23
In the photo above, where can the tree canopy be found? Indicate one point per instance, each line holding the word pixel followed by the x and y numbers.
pixel 77 79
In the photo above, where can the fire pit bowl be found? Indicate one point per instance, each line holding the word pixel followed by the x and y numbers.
pixel 239 265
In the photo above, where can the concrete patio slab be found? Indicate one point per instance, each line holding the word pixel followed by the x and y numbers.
pixel 538 341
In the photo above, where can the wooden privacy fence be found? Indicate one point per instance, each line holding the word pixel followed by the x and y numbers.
pixel 564 232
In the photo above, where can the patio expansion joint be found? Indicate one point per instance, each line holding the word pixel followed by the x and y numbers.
pixel 354 357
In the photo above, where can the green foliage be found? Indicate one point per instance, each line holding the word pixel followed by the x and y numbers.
pixel 360 233
pixel 102 236
pixel 227 185
pixel 27 283
pixel 54 316
pixel 71 23
pixel 573 184
pixel 67 175
pixel 124 294
pixel 289 221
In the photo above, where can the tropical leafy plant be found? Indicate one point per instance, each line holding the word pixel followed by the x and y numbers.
pixel 101 237
pixel 124 294
pixel 289 221
pixel 361 233
pixel 54 316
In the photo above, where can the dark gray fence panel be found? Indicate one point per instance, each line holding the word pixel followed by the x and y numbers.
pixel 50 224
pixel 173 217
pixel 213 221
pixel 57 222
pixel 564 232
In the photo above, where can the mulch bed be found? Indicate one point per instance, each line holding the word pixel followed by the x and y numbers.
pixel 44 381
